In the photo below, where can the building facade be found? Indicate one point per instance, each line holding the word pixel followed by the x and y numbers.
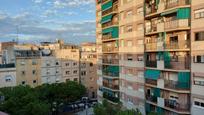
pixel 156 48
pixel 7 75
pixel 197 54
pixel 88 68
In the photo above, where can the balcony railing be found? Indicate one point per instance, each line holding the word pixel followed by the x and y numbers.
pixel 111 86
pixel 151 46
pixel 178 65
pixel 107 37
pixel 103 1
pixel 150 81
pixel 176 106
pixel 109 24
pixel 151 64
pixel 150 29
pixel 112 74
pixel 111 98
pixel 151 98
pixel 110 49
pixel 176 85
pixel 113 9
pixel 178 45
pixel 174 24
pixel 111 61
pixel 174 3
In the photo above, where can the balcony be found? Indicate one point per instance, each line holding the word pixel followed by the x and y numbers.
pixel 103 1
pixel 151 82
pixel 175 3
pixel 113 9
pixel 151 47
pixel 111 61
pixel 151 98
pixel 151 9
pixel 111 74
pixel 150 29
pixel 111 98
pixel 111 86
pixel 110 49
pixel 173 104
pixel 106 25
pixel 178 65
pixel 177 24
pixel 176 45
pixel 107 37
pixel 176 85
pixel 152 64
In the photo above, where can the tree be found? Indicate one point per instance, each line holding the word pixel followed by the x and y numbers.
pixel 24 100
pixel 108 109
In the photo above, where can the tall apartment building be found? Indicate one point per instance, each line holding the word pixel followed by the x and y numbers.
pixel 131 51
pixel 197 53
pixel 88 67
pixel 120 71
pixel 109 67
pixel 173 54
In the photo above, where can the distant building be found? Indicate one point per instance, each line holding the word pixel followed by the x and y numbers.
pixel 7 75
pixel 8 55
pixel 88 67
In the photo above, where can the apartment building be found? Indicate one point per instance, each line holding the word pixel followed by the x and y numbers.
pixel 197 54
pixel 167 56
pixel 28 65
pixel 131 53
pixel 88 68
pixel 7 51
pixel 7 75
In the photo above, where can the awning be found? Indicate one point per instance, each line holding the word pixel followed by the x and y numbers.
pixel 106 19
pixel 107 5
pixel 169 12
pixel 183 13
pixel 152 74
pixel 113 30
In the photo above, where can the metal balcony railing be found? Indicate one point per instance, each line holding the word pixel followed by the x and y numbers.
pixel 176 85
pixel 173 104
pixel 174 3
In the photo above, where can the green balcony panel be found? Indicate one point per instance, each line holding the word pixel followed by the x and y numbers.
pixel 184 80
pixel 160 56
pixel 147 107
pixel 152 74
pixel 156 92
pixel 107 5
pixel 106 19
pixel 113 30
pixel 183 13
pixel 160 111
pixel 167 59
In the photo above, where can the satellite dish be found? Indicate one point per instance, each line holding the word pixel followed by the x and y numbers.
pixel 46 52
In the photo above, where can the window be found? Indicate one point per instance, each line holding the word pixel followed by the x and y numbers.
pixel 140 58
pixel 199 36
pixel 67 72
pixel 83 73
pixel 129 57
pixel 57 63
pixel 67 64
pixel 34 81
pixel 34 72
pixel 129 43
pixel 74 64
pixel 199 59
pixel 22 63
pixel 34 62
pixel 140 10
pixel 23 72
pixel 129 28
pixel 91 64
pixel 75 72
pixel 199 81
pixel 75 79
pixel 8 78
pixel 199 103
pixel 199 13
pixel 129 13
pixel 23 82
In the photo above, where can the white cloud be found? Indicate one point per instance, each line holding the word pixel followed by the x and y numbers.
pixel 37 1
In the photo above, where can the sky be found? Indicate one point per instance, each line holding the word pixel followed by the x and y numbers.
pixel 47 20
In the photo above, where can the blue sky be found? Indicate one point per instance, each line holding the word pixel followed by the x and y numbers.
pixel 47 20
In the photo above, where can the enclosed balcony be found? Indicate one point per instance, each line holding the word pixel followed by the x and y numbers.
pixel 110 7
pixel 109 20
pixel 111 85
pixel 183 82
pixel 175 3
pixel 111 71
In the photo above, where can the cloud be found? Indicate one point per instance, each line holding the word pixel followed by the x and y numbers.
pixel 37 1
pixel 72 3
